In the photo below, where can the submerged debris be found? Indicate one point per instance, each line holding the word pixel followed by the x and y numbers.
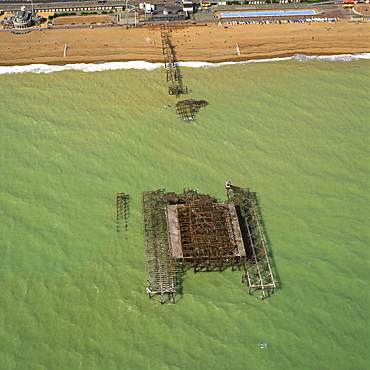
pixel 187 109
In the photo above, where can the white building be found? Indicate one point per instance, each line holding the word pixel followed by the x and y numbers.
pixel 22 19
pixel 188 6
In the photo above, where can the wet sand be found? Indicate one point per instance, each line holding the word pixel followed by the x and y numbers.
pixel 209 43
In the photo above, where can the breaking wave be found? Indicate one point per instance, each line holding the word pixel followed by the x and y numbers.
pixel 83 67
pixel 109 66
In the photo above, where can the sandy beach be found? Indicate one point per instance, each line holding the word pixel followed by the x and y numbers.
pixel 208 42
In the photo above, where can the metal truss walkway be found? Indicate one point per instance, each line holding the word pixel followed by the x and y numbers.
pixel 172 70
pixel 258 269
pixel 161 272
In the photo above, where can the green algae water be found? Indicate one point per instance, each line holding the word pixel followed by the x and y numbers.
pixel 72 292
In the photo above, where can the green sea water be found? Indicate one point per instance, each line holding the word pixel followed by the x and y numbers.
pixel 72 292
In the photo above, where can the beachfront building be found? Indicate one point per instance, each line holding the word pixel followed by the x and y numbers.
pixel 188 6
pixel 22 19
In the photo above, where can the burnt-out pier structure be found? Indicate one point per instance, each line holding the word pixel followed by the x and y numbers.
pixel 173 74
pixel 186 109
pixel 192 231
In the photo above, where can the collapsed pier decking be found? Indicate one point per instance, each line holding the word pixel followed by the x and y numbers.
pixel 192 231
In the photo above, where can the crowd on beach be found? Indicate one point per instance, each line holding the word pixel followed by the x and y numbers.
pixel 308 20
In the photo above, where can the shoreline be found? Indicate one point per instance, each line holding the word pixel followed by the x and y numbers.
pixel 193 43
pixel 231 60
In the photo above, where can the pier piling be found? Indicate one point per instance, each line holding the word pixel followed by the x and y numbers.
pixel 193 231
pixel 173 74
pixel 122 210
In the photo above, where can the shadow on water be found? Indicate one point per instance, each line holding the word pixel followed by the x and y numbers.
pixel 244 232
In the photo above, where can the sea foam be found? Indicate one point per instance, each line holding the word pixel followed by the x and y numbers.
pixel 109 66
pixel 83 67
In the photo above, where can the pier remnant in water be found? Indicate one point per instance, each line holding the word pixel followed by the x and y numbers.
pixel 121 209
pixel 193 231
pixel 161 271
pixel 173 74
pixel 187 109
pixel 258 273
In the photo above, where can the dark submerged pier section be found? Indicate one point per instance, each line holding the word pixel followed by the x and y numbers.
pixel 187 109
pixel 193 231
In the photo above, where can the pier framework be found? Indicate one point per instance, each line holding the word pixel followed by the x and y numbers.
pixel 173 74
pixel 186 109
pixel 160 267
pixel 193 231
pixel 122 200
pixel 258 272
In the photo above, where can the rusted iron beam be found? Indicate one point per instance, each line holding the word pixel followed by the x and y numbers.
pixel 258 272
pixel 173 74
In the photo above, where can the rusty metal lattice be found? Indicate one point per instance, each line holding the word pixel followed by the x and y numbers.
pixel 258 274
pixel 206 235
pixel 187 109
pixel 161 272
pixel 191 230
pixel 173 74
